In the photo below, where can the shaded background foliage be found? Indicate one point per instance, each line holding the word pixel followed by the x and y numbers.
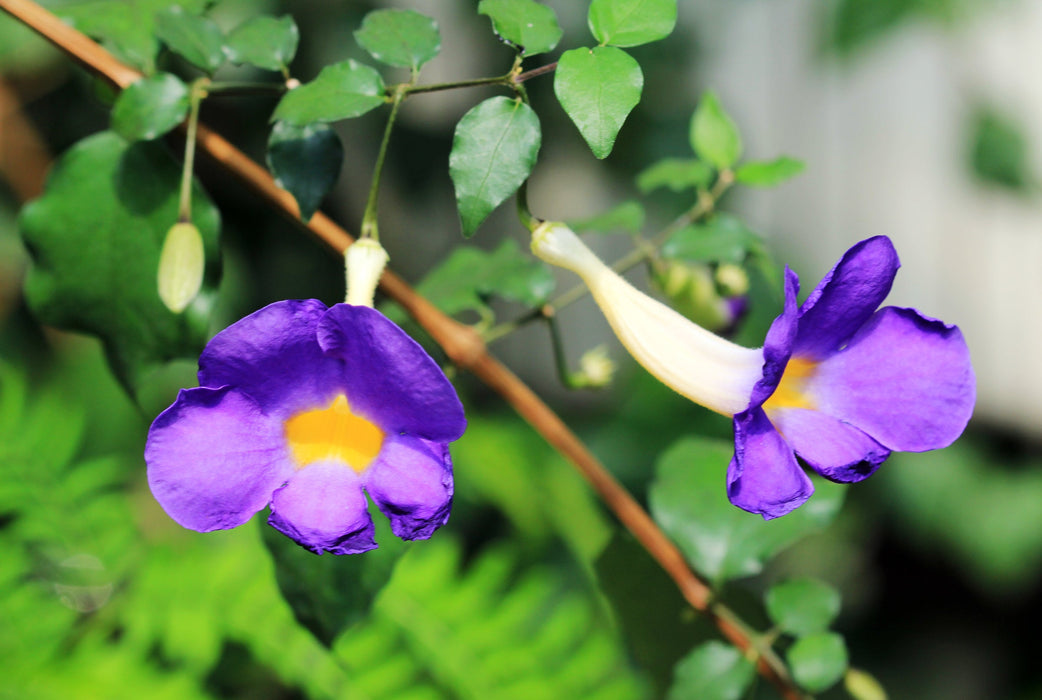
pixel 937 557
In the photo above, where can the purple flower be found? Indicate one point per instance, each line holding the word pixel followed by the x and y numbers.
pixel 844 384
pixel 303 408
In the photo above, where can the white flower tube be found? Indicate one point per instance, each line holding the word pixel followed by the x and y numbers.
pixel 365 261
pixel 697 364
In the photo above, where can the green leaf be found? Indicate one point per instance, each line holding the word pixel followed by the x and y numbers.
pixel 402 38
pixel 714 136
pixel 327 592
pixel 689 500
pixel 854 24
pixel 527 25
pixel 305 161
pixel 493 151
pixel 150 107
pixel 678 174
pixel 95 237
pixel 194 37
pixel 712 671
pixel 341 91
pixel 265 42
pixel 999 150
pixel 768 173
pixel 598 88
pixel 818 661
pixel 465 280
pixel 802 606
pixel 723 238
pixel 628 216
pixel 632 22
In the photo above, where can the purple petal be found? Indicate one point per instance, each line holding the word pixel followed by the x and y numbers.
pixel 904 379
pixel 214 459
pixel 323 509
pixel 763 476
pixel 777 346
pixel 273 356
pixel 832 448
pixel 411 482
pixel 846 298
pixel 391 379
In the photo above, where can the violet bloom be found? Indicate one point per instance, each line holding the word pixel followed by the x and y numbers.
pixel 838 382
pixel 305 408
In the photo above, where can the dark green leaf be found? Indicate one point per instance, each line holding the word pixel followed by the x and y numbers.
pixel 469 276
pixel 95 236
pixel 818 661
pixel 493 151
pixel 802 606
pixel 328 592
pixel 598 88
pixel 689 500
pixel 402 38
pixel 529 26
pixel 768 173
pixel 723 238
pixel 265 42
pixel 194 37
pixel 678 174
pixel 714 136
pixel 656 621
pixel 341 91
pixel 632 22
pixel 150 107
pixel 713 671
pixel 628 216
pixel 305 161
pixel 999 150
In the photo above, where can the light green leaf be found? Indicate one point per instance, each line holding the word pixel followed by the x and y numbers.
pixel 678 174
pixel 802 606
pixel 712 671
pixel 818 661
pixel 265 42
pixel 305 161
pixel 493 151
pixel 598 88
pixel 194 37
pixel 632 22
pixel 529 26
pixel 768 173
pixel 689 500
pixel 95 236
pixel 723 238
pixel 628 216
pixel 341 91
pixel 150 107
pixel 714 136
pixel 402 38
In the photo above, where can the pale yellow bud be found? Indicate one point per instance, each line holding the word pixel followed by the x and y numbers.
pixel 182 262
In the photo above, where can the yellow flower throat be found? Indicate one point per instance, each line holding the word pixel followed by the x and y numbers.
pixel 791 391
pixel 333 434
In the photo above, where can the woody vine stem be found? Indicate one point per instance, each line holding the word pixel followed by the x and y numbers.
pixel 461 344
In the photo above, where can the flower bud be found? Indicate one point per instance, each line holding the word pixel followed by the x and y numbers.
pixel 365 261
pixel 596 369
pixel 182 262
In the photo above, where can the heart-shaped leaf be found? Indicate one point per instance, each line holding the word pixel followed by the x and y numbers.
pixel 598 88
pixel 305 161
pixel 529 26
pixel 341 91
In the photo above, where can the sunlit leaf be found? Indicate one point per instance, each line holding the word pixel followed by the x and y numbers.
pixel 305 161
pixel 95 237
pixel 598 88
pixel 632 22
pixel 678 174
pixel 150 107
pixel 768 173
pixel 802 606
pixel 341 91
pixel 194 37
pixel 714 135
pixel 493 151
pixel 818 661
pixel 628 216
pixel 529 26
pixel 265 42
pixel 712 671
pixel 689 500
pixel 402 38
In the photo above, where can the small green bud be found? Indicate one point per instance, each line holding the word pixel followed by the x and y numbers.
pixel 181 265
pixel 732 280
pixel 596 369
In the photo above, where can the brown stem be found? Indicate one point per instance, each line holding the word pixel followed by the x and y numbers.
pixel 536 72
pixel 461 343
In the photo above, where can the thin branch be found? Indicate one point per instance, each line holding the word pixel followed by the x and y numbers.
pixel 461 343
